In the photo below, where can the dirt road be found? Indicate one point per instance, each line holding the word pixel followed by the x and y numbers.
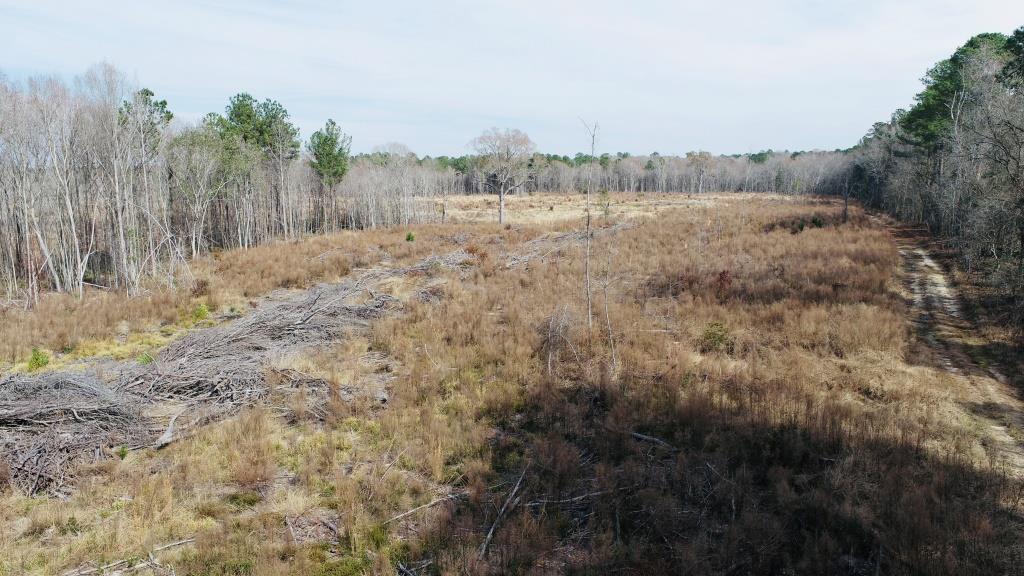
pixel 941 325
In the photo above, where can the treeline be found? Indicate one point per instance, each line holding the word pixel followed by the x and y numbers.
pixel 696 172
pixel 99 185
pixel 954 162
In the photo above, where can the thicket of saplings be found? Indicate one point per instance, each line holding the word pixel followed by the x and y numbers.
pixel 742 397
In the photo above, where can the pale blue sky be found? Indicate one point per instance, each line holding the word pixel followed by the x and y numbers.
pixel 725 76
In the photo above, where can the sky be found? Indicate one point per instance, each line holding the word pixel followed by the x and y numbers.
pixel 727 76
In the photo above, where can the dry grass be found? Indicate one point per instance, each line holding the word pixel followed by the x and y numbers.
pixel 112 324
pixel 61 323
pixel 101 322
pixel 802 437
pixel 761 414
pixel 551 208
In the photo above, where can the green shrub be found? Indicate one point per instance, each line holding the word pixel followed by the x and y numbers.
pixel 122 452
pixel 38 360
pixel 410 237
pixel 145 358
pixel 716 338
pixel 200 312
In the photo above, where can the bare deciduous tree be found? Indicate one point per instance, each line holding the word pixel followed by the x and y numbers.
pixel 592 131
pixel 506 156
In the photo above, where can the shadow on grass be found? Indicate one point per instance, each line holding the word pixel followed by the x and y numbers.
pixel 998 359
pixel 671 476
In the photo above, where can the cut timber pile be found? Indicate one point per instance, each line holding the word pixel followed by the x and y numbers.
pixel 52 421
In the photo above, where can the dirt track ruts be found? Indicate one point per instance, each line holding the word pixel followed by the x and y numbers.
pixel 941 324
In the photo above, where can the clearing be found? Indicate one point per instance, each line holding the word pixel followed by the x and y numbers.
pixel 758 386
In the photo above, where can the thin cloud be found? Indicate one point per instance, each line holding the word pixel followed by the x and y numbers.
pixel 666 76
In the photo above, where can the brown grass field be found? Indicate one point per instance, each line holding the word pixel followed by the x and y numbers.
pixel 754 392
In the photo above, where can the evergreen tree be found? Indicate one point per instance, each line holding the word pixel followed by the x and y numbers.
pixel 329 148
pixel 263 125
pixel 929 120
pixel 1013 73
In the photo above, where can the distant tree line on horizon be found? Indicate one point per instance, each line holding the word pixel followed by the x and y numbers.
pixel 954 161
pixel 695 172
pixel 99 186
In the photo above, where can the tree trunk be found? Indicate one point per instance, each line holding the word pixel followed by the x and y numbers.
pixel 501 204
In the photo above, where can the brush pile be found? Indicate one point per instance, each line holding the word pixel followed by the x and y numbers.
pixel 51 421
pixel 225 365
